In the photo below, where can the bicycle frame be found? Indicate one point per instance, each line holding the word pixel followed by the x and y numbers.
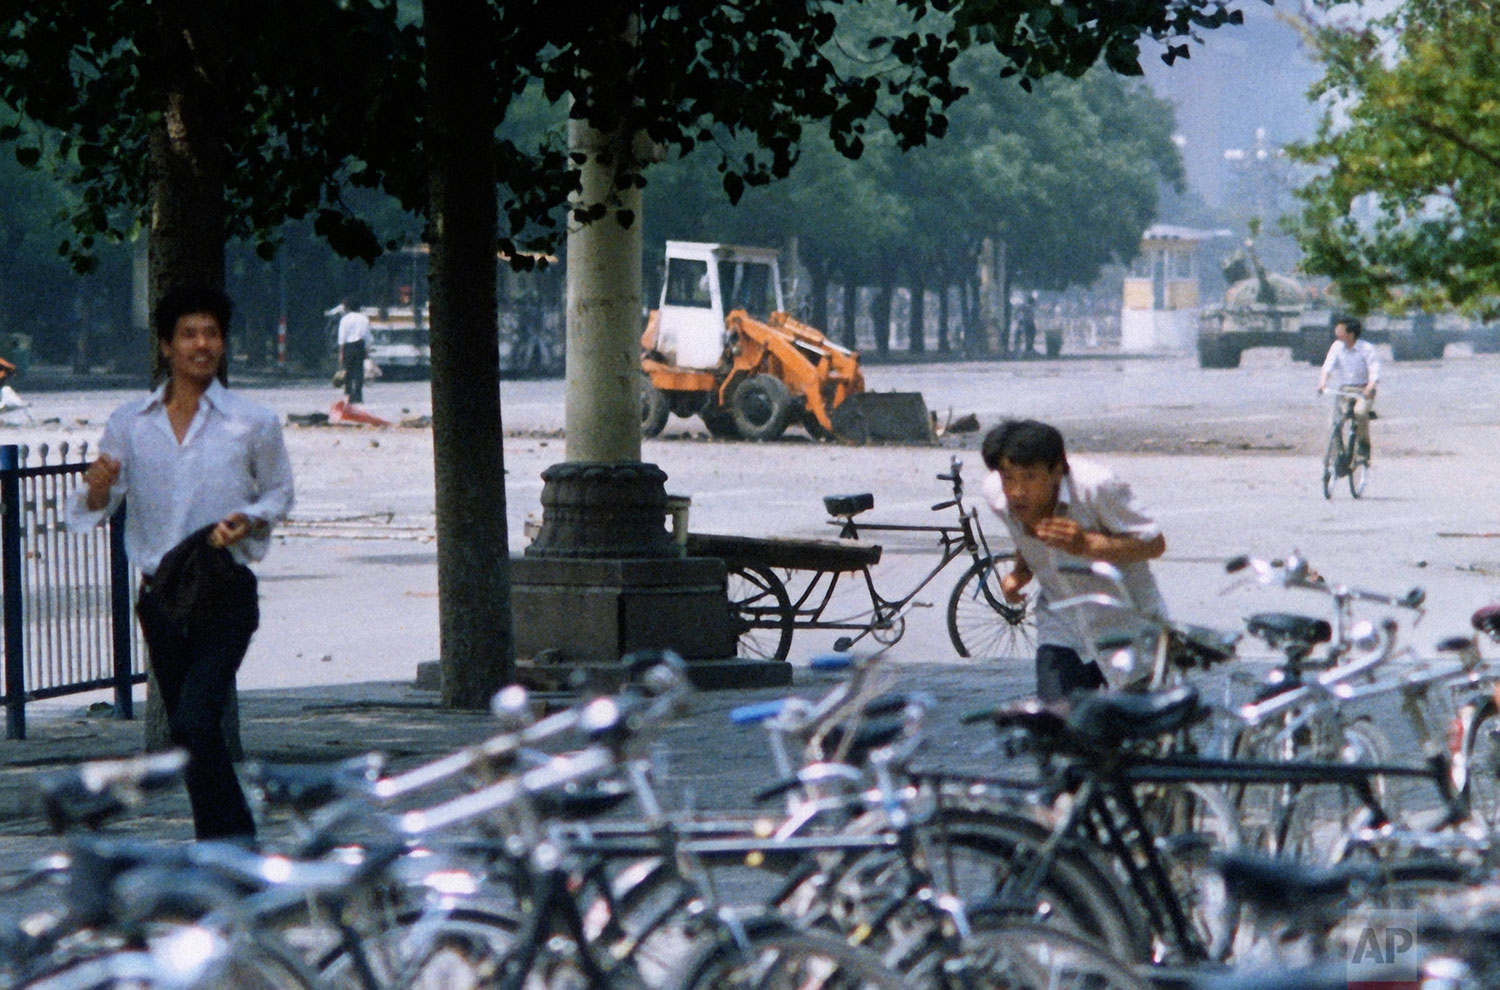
pixel 967 537
pixel 1105 810
pixel 1339 461
pixel 953 541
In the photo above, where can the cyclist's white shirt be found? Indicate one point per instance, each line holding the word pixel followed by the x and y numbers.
pixel 1092 495
pixel 1352 366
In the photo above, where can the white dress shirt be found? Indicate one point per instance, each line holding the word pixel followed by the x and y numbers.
pixel 354 326
pixel 232 459
pixel 1352 366
pixel 1097 500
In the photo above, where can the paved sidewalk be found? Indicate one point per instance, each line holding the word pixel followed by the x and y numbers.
pixel 710 763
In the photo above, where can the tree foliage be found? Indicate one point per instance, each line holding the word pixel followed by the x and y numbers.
pixel 1067 175
pixel 315 99
pixel 1406 209
pixel 319 98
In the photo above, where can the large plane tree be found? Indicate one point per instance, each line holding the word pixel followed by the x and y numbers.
pixel 199 120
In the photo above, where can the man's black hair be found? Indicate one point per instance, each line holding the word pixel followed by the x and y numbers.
pixel 185 300
pixel 1024 442
pixel 1351 324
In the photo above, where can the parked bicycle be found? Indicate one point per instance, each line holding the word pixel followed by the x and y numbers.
pixel 1344 459
pixel 981 623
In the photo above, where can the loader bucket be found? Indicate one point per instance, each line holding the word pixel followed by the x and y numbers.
pixel 882 417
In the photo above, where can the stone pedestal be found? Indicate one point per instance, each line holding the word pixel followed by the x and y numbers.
pixel 604 577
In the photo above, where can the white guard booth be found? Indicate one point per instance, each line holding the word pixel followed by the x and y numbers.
pixel 1160 308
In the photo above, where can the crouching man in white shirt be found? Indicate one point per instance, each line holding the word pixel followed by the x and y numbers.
pixel 1062 511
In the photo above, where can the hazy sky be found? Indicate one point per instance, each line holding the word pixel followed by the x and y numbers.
pixel 1242 79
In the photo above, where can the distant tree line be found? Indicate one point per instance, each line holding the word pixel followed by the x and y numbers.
pixel 1062 180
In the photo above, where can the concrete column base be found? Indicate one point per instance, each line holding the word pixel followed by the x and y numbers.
pixel 578 616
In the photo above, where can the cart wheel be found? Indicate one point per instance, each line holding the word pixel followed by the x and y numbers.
pixel 761 613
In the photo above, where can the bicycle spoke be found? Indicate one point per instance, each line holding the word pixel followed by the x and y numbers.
pixel 981 623
pixel 762 613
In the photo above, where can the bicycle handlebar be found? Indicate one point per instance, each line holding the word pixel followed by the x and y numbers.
pixel 1294 572
pixel 955 469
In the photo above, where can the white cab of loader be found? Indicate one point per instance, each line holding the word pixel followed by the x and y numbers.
pixel 704 282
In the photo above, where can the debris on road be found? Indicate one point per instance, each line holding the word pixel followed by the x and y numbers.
pixel 346 412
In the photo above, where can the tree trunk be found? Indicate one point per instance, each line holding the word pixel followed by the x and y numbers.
pixel 1002 279
pixel 968 293
pixel 818 317
pixel 187 156
pixel 602 400
pixel 849 329
pixel 943 344
pixel 918 332
pixel 185 240
pixel 880 314
pixel 477 645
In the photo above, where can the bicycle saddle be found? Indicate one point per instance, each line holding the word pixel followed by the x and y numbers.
pixel 870 735
pixel 1277 628
pixel 1486 619
pixel 848 505
pixel 1110 718
pixel 304 787
pixel 1288 888
pixel 1200 646
pixel 579 802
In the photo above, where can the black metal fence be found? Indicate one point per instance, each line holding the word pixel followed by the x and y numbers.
pixel 68 623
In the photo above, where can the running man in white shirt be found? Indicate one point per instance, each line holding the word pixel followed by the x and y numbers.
pixel 1062 510
pixel 194 456
pixel 1353 366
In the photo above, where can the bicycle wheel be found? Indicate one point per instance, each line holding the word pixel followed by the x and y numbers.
pixel 257 961
pixel 1482 760
pixel 1359 467
pixel 761 613
pixel 1331 460
pixel 245 961
pixel 978 850
pixel 443 950
pixel 127 969
pixel 1198 821
pixel 1312 821
pixel 981 623
pixel 772 955
pixel 1025 955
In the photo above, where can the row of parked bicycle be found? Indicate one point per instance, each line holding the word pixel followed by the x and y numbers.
pixel 1127 840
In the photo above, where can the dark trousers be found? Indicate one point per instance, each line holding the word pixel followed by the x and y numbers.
pixel 354 371
pixel 195 667
pixel 1061 671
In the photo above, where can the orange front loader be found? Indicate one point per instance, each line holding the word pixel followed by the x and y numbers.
pixel 770 373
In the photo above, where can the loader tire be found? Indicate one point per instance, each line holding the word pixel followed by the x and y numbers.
pixel 761 407
pixel 655 407
pixel 720 424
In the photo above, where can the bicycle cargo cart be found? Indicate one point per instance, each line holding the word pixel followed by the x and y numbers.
pixel 778 585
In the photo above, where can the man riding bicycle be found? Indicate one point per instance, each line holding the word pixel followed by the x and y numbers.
pixel 1355 369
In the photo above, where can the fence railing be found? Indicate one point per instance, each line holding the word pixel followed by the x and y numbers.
pixel 67 619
